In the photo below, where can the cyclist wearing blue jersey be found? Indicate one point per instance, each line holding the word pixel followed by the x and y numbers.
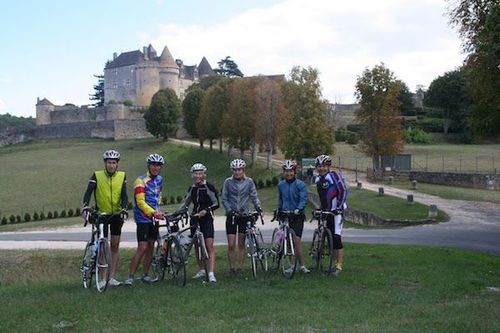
pixel 332 192
pixel 293 197
pixel 147 198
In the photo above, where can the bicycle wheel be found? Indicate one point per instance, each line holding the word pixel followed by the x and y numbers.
pixel 289 259
pixel 159 262
pixel 87 265
pixel 252 252
pixel 203 254
pixel 176 266
pixel 261 250
pixel 315 249
pixel 325 255
pixel 275 250
pixel 102 265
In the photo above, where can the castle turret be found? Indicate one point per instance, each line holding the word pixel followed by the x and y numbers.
pixel 169 71
pixel 43 109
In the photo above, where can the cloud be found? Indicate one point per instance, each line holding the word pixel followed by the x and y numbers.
pixel 340 39
pixel 5 80
pixel 3 106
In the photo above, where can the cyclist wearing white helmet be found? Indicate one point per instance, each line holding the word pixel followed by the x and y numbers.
pixel 109 188
pixel 292 196
pixel 332 192
pixel 237 193
pixel 147 199
pixel 205 200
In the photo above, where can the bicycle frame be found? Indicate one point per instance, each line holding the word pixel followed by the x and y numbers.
pixel 285 247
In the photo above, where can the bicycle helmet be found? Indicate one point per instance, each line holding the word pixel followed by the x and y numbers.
pixel 198 167
pixel 155 158
pixel 289 165
pixel 238 164
pixel 323 160
pixel 111 154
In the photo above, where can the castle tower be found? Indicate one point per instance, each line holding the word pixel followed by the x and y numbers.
pixel 147 77
pixel 169 71
pixel 43 109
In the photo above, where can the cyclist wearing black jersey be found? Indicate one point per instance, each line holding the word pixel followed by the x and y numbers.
pixel 205 200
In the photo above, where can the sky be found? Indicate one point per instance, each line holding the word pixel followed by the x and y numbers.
pixel 52 49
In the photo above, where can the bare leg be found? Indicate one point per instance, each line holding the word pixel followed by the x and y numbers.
pixel 298 249
pixel 148 255
pixel 241 250
pixel 231 250
pixel 339 256
pixel 209 242
pixel 142 247
pixel 115 247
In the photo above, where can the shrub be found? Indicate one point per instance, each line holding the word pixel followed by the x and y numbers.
pixel 12 219
pixel 164 200
pixel 342 134
pixel 353 139
pixel 77 212
pixel 4 220
pixel 417 135
pixel 42 216
pixel 433 125
pixel 466 137
pixel 128 103
pixel 179 199
pixel 275 180
pixel 55 214
pixel 36 217
pixel 49 215
pixel 130 206
pixel 63 213
pixel 260 184
pixel 172 200
pixel 18 219
pixel 27 217
pixel 269 182
pixel 356 128
pixel 70 212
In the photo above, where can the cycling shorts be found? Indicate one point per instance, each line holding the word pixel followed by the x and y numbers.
pixel 146 232
pixel 206 226
pixel 296 223
pixel 112 222
pixel 238 225
pixel 334 223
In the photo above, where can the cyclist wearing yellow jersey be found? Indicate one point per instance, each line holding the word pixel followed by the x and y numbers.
pixel 110 193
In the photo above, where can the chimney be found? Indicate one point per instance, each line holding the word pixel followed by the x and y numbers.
pixel 145 51
pixel 114 55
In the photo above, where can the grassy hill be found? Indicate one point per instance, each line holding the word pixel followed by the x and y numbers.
pixel 52 175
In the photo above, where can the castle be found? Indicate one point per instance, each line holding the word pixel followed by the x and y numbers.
pixel 130 81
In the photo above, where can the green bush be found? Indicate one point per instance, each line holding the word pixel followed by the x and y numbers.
pixel 433 125
pixel 18 219
pixel 172 200
pixel 356 128
pixel 164 200
pixel 342 134
pixel 4 220
pixel 55 214
pixel 417 135
pixel 70 212
pixel 77 212
pixel 260 184
pixel 27 217
pixel 36 217
pixel 49 215
pixel 467 137
pixel 275 180
pixel 128 103
pixel 42 216
pixel 353 139
pixel 12 219
pixel 63 213
pixel 179 199
pixel 269 182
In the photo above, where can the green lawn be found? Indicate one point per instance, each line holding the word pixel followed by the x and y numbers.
pixel 451 192
pixel 389 207
pixel 52 175
pixel 382 289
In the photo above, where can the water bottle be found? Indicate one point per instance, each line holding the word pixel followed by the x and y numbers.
pixel 279 237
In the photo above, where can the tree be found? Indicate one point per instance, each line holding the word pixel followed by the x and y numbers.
pixel 238 123
pixel 98 95
pixel 228 68
pixel 215 104
pixel 449 94
pixel 191 107
pixel 377 91
pixel 162 115
pixel 405 97
pixel 270 111
pixel 305 130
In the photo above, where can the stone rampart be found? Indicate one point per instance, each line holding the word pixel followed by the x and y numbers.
pixel 474 180
pixel 130 129
pixel 96 129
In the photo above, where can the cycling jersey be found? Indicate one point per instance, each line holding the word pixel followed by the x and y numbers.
pixel 110 192
pixel 147 197
pixel 331 190
pixel 292 195
pixel 203 197
pixel 237 194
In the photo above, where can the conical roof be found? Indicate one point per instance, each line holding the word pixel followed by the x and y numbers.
pixel 204 68
pixel 166 58
pixel 44 102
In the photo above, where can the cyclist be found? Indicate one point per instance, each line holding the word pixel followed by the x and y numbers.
pixel 205 200
pixel 293 197
pixel 147 199
pixel 332 192
pixel 237 192
pixel 110 194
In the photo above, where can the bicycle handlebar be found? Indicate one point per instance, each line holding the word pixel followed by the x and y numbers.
pixel 252 216
pixel 280 213
pixel 318 214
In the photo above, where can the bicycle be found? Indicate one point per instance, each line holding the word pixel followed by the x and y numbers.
pixel 283 247
pixel 322 245
pixel 254 242
pixel 169 257
pixel 96 256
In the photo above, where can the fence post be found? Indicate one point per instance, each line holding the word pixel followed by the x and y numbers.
pixel 356 170
pixel 414 184
pixel 442 157
pixel 433 211
pixel 460 169
pixel 476 163
pixel 426 162
pixel 381 191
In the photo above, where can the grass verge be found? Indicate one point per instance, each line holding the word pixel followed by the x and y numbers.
pixel 382 289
